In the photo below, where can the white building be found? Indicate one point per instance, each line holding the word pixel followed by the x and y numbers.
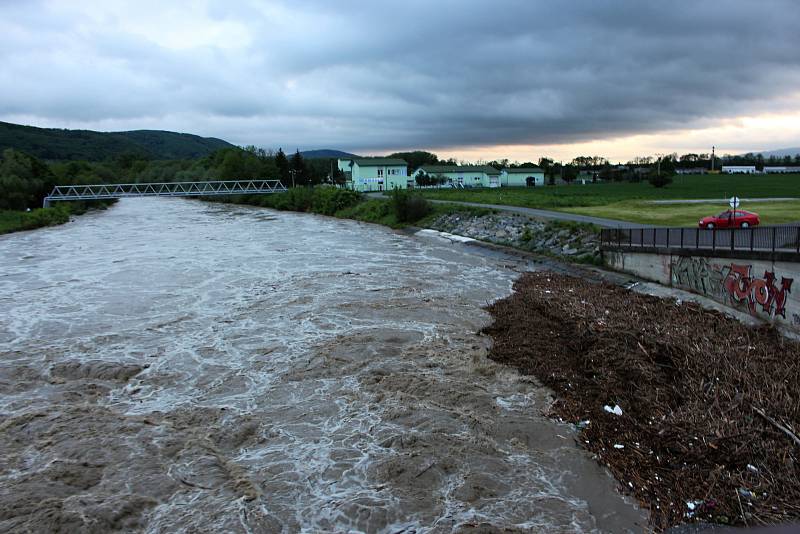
pixel 462 175
pixel 739 169
pixel 782 170
pixel 522 177
pixel 375 174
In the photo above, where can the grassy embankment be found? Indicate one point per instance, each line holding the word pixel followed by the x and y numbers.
pixel 633 201
pixel 16 221
pixel 398 211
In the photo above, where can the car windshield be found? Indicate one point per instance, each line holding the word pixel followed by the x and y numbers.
pixel 724 214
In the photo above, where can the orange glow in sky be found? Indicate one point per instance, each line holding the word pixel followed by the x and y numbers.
pixel 730 136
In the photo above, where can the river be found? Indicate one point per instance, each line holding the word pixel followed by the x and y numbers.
pixel 171 365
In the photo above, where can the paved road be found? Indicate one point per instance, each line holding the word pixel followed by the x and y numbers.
pixel 554 215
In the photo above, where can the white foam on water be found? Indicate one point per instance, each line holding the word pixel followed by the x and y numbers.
pixel 302 373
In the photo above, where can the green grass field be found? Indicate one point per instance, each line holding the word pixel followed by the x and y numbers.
pixel 686 214
pixel 627 201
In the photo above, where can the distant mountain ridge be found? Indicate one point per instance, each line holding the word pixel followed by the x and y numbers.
pixel 326 153
pixel 61 144
pixel 781 152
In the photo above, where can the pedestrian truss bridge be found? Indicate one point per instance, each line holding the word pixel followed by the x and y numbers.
pixel 171 189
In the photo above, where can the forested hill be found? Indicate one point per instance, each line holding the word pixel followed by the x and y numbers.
pixel 61 145
pixel 326 153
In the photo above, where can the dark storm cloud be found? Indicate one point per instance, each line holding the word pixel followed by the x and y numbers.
pixel 374 75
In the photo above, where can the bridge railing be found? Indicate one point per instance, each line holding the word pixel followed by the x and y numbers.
pixel 753 239
pixel 174 189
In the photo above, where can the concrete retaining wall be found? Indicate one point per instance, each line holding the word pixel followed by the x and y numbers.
pixel 763 288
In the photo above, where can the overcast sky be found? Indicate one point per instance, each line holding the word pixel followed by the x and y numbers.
pixel 474 79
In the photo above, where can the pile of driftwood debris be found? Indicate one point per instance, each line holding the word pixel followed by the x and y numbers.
pixel 695 414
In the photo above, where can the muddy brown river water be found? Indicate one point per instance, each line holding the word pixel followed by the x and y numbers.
pixel 177 366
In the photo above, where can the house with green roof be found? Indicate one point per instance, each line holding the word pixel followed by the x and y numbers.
pixel 521 177
pixel 375 174
pixel 461 175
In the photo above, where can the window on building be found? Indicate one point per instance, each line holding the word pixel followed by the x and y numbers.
pixel 380 173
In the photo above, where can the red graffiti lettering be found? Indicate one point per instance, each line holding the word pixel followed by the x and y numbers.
pixel 742 287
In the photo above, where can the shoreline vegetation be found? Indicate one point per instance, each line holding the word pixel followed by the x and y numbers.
pixel 689 408
pixel 400 210
pixel 563 240
pixel 18 221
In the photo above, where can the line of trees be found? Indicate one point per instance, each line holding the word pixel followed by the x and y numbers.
pixel 25 180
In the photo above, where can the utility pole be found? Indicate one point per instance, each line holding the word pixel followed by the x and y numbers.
pixel 658 172
pixel 293 172
pixel 713 149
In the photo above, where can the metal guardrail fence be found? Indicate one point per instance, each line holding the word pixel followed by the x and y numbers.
pixel 753 239
pixel 168 189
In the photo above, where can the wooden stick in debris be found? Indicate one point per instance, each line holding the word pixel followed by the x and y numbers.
pixel 777 425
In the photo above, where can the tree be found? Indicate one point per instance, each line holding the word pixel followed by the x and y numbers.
pixel 282 163
pixel 546 164
pixel 297 165
pixel 569 173
pixel 232 167
pixel 661 176
pixel 339 177
pixel 416 159
pixel 423 180
pixel 24 181
pixel 659 180
pixel 583 161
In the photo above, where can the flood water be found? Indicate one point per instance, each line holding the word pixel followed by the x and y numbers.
pixel 177 366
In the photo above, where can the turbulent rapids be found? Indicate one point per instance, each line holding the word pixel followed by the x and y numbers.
pixel 173 366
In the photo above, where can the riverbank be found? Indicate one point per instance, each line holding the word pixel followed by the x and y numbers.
pixel 398 212
pixel 691 410
pixel 17 221
pixel 566 241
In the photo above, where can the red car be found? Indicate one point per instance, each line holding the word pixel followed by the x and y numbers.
pixel 730 219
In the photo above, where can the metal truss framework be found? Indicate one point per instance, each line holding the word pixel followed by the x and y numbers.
pixel 173 189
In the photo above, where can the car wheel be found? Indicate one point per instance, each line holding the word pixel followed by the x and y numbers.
pixel 745 225
pixel 710 225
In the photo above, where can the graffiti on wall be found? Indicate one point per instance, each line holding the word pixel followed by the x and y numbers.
pixel 698 275
pixel 733 284
pixel 742 287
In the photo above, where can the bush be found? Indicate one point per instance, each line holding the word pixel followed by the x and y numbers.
pixel 322 200
pixel 295 199
pixel 374 210
pixel 660 180
pixel 409 207
pixel 13 221
pixel 329 200
pixel 527 234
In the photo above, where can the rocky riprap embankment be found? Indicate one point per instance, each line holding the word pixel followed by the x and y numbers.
pixel 579 242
